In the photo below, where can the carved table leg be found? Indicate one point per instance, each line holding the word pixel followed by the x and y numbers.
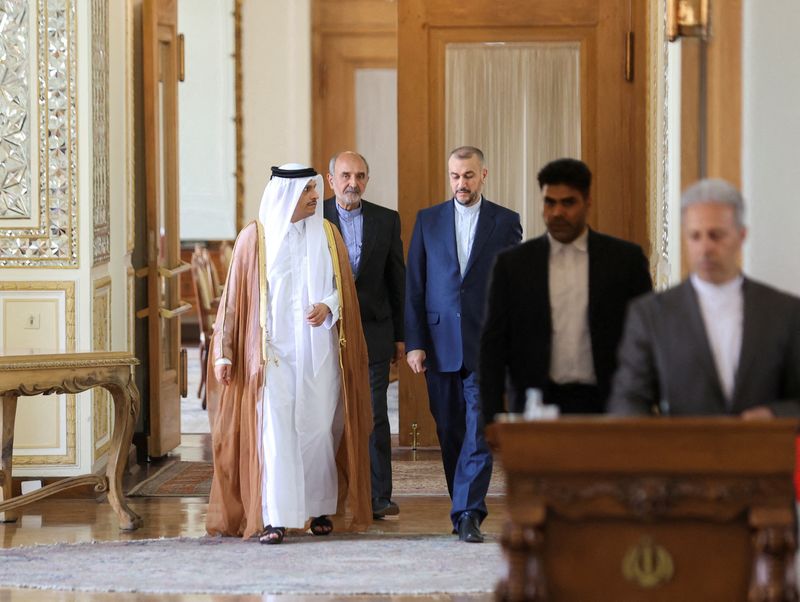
pixel 8 412
pixel 773 577
pixel 126 410
pixel 525 580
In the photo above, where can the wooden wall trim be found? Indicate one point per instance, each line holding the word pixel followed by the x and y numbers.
pixel 724 93
pixel 711 127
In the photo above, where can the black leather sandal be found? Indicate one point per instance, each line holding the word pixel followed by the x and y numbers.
pixel 272 535
pixel 321 525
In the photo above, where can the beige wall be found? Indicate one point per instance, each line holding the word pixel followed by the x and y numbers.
pixel 771 129
pixel 276 64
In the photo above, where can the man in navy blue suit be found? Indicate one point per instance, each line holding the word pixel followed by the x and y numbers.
pixel 449 262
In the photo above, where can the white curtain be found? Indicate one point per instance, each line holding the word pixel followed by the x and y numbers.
pixel 376 132
pixel 520 104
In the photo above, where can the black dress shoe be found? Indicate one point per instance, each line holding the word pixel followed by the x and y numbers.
pixel 384 507
pixel 469 528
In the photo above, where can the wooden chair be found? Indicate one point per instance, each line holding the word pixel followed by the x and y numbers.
pixel 206 301
pixel 225 254
pixel 213 273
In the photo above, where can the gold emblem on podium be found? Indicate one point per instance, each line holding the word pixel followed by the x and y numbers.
pixel 647 564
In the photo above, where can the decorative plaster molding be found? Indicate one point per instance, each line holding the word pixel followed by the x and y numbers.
pixel 130 138
pixel 102 422
pixel 15 129
pixel 53 240
pixel 101 242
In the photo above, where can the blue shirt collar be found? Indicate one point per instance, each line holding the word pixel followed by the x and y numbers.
pixel 349 215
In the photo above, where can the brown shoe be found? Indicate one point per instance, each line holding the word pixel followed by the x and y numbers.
pixel 383 507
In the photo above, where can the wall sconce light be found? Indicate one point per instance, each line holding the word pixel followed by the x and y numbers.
pixel 688 18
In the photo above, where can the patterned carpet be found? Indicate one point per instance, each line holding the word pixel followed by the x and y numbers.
pixel 410 478
pixel 340 564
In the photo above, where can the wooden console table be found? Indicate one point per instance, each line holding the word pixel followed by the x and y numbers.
pixel 648 509
pixel 22 375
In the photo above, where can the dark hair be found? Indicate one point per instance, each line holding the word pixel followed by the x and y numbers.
pixel 465 152
pixel 570 172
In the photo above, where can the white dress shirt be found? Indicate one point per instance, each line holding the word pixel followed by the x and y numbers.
pixel 568 280
pixel 466 224
pixel 722 308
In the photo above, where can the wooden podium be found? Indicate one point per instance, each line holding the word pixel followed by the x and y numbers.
pixel 667 509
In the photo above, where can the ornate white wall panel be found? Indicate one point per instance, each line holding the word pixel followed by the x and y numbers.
pixel 40 316
pixel 15 108
pixel 52 241
pixel 100 174
pixel 131 309
pixel 130 108
pixel 101 341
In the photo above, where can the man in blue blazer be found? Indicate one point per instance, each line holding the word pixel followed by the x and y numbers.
pixel 449 260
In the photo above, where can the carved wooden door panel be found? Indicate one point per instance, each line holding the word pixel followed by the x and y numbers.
pixel 162 64
pixel 604 36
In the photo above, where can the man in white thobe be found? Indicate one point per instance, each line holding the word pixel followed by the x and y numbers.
pixel 299 417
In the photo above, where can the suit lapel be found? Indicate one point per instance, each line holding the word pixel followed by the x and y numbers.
pixel 750 333
pixel 540 274
pixel 368 235
pixel 446 224
pixel 595 285
pixel 483 231
pixel 332 215
pixel 698 329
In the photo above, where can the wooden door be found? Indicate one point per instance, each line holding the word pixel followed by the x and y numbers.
pixel 348 35
pixel 711 103
pixel 161 63
pixel 613 101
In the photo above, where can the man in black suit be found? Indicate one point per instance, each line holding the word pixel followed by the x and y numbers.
pixel 557 304
pixel 719 342
pixel 372 236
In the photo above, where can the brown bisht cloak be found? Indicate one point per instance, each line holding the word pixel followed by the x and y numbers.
pixel 234 507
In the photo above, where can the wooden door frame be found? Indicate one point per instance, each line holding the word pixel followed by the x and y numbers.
pixel 711 102
pixel 351 18
pixel 417 65
pixel 421 152
pixel 156 15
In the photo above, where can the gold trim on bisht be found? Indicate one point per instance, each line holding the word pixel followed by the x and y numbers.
pixel 262 289
pixel 337 274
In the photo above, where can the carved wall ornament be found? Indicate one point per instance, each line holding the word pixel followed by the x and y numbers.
pixel 52 240
pixel 648 564
pixel 130 142
pixel 101 242
pixel 101 341
pixel 15 130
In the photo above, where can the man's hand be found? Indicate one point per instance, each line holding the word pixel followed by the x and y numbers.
pixel 317 313
pixel 757 413
pixel 416 360
pixel 223 373
pixel 399 351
